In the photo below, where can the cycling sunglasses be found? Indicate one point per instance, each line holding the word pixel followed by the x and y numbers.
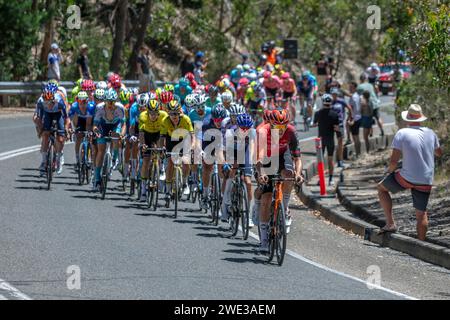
pixel 174 114
pixel 279 126
pixel 154 113
pixel 219 120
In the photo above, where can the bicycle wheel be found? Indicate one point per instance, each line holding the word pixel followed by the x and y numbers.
pixel 175 192
pixel 156 185
pixel 244 211
pixel 87 165
pixel 105 174
pixel 215 199
pixel 234 214
pixel 280 235
pixel 50 161
pixel 80 169
pixel 271 234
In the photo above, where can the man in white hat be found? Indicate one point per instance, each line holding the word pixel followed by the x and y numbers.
pixel 53 61
pixel 417 146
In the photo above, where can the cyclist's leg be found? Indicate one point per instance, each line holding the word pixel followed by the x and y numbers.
pixel 134 160
pixel 264 215
pixel 287 171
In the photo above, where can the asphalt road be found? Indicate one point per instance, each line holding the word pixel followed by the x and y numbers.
pixel 124 251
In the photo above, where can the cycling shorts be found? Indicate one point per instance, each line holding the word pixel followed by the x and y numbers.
pixel 105 129
pixel 49 117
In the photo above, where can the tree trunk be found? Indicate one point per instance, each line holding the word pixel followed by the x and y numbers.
pixel 119 35
pixel 48 36
pixel 144 21
pixel 221 15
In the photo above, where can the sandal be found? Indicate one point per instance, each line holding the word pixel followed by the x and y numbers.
pixel 385 229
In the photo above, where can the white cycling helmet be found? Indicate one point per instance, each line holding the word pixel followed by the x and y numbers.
pixel 236 109
pixel 227 96
pixel 102 85
pixel 143 99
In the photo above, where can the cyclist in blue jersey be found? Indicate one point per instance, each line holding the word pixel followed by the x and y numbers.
pixel 51 107
pixel 109 120
pixel 213 96
pixel 182 89
pixel 81 114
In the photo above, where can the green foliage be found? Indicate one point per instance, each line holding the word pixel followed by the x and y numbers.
pixel 20 29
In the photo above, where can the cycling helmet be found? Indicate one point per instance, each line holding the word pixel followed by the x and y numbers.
pixel 202 99
pixel 183 82
pixel 174 106
pixel 245 121
pixel 166 97
pixel 246 67
pixel 111 95
pixel 99 94
pixel 252 76
pixel 236 109
pixel 134 91
pixel 169 87
pixel 88 85
pixel 219 112
pixel 213 90
pixel 82 96
pixel 102 85
pixel 190 76
pixel 79 81
pixel 280 117
pixel 199 54
pixel 153 105
pixel 243 82
pixel 158 92
pixel 190 100
pixel 54 81
pixel 285 76
pixel 152 95
pixel 267 74
pixel 257 86
pixel 125 95
pixel 227 96
pixel 239 67
pixel 143 99
pixel 51 87
pixel 115 81
pixel 267 115
pixel 327 99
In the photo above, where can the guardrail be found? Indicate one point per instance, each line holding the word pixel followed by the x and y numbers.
pixel 33 89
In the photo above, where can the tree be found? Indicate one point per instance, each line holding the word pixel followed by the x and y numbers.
pixel 120 17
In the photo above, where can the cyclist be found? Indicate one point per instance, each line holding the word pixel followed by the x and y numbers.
pixel 89 87
pixel 99 96
pixel 75 90
pixel 207 137
pixel 272 85
pixel 191 78
pixel 305 89
pixel 227 99
pixel 109 120
pixel 49 107
pixel 171 137
pixel 236 74
pixel 289 166
pixel 213 96
pixel 150 126
pixel 243 139
pixel 241 90
pixel 182 89
pixel 101 85
pixel 255 101
pixel 81 113
pixel 339 105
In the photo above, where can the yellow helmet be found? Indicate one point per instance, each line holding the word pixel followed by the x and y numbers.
pixel 153 105
pixel 173 106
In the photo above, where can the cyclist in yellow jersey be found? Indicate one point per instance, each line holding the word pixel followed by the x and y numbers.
pixel 150 125
pixel 175 128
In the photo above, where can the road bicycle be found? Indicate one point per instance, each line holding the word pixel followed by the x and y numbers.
pixel 215 199
pixel 176 193
pixel 106 166
pixel 84 169
pixel 240 206
pixel 153 177
pixel 51 154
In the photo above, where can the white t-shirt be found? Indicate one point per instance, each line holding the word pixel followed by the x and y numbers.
pixel 355 103
pixel 417 145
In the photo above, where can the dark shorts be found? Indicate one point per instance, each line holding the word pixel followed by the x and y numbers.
pixel 106 129
pixel 376 114
pixel 366 122
pixel 58 117
pixel 354 129
pixel 328 145
pixel 81 125
pixel 171 144
pixel 150 140
pixel 285 163
pixel 420 199
pixel 340 133
pixel 287 95
pixel 271 92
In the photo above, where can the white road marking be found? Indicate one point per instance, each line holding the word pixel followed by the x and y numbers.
pixel 21 151
pixel 13 291
pixel 320 266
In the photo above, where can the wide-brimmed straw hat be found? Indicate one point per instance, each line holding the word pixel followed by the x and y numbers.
pixel 414 114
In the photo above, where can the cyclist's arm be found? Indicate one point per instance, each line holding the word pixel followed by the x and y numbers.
pixel 395 157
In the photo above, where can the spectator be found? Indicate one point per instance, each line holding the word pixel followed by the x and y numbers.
pixel 355 103
pixel 322 71
pixel 83 63
pixel 328 121
pixel 187 65
pixel 146 79
pixel 366 117
pixel 417 146
pixel 54 59
pixel 366 86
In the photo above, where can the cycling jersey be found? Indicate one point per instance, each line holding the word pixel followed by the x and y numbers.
pixel 287 142
pixel 195 117
pixel 134 117
pixel 105 116
pixel 168 128
pixel 211 104
pixel 306 90
pixel 272 83
pixel 51 106
pixel 251 95
pixel 75 109
pixel 339 107
pixel 288 85
pixel 182 91
pixel 146 125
